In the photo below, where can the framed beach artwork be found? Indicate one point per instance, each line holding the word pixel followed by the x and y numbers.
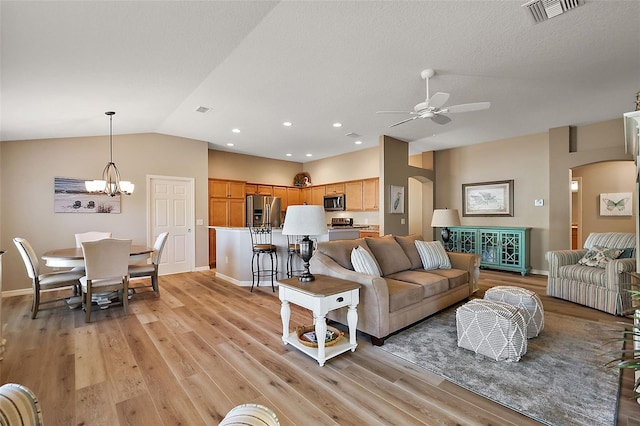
pixel 71 196
pixel 396 199
pixel 616 204
pixel 488 198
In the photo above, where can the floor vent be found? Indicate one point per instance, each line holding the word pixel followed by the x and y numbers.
pixel 541 10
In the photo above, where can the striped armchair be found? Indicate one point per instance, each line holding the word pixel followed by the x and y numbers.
pixel 602 289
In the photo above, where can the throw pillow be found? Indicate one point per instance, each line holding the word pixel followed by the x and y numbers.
pixel 389 255
pixel 599 256
pixel 628 253
pixel 363 262
pixel 408 244
pixel 433 255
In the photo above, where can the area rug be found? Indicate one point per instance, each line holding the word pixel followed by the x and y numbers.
pixel 561 380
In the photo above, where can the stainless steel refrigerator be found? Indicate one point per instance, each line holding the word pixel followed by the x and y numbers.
pixel 263 209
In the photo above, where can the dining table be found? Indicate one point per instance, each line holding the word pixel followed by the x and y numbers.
pixel 73 256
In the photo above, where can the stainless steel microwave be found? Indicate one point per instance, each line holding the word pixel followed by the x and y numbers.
pixel 335 202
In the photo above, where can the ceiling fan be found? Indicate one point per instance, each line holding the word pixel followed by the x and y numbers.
pixel 433 108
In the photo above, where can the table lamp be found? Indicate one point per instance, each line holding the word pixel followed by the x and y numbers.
pixel 444 218
pixel 305 220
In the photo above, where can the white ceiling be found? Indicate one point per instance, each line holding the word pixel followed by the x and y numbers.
pixel 258 64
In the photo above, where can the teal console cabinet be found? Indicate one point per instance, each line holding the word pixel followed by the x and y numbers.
pixel 499 247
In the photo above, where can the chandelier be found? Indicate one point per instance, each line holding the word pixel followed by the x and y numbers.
pixel 110 183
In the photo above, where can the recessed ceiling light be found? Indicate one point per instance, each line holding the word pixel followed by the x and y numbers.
pixel 309 155
pixel 203 109
pixel 288 154
pixel 337 124
pixel 287 124
pixel 235 130
pixel 358 142
pixel 230 144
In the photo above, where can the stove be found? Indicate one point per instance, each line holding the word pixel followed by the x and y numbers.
pixel 341 222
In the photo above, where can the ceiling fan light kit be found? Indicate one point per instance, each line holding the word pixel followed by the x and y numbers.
pixel 432 107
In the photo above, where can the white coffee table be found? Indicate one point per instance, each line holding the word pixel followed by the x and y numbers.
pixel 320 296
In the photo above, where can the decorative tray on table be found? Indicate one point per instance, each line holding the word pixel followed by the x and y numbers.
pixel 307 336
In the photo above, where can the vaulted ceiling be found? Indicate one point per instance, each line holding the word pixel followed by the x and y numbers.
pixel 312 63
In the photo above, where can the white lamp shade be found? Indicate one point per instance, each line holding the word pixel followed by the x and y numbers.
pixel 304 220
pixel 444 218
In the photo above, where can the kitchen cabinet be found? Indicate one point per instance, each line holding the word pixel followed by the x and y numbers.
pixel 265 190
pixel 251 189
pixel 370 194
pixel 370 234
pixel 505 248
pixel 317 195
pixel 353 194
pixel 334 188
pixel 293 196
pixel 226 188
pixel 281 191
pixel 226 208
pixel 305 195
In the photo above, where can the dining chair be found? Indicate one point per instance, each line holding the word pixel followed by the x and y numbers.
pixel 106 265
pixel 91 236
pixel 42 282
pixel 150 269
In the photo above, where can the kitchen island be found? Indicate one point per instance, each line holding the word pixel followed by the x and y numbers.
pixel 233 252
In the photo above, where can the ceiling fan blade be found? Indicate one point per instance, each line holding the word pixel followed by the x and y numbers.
pixel 440 119
pixel 394 112
pixel 404 121
pixel 477 106
pixel 438 100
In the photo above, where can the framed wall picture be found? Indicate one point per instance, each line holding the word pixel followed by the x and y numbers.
pixel 71 196
pixel 396 199
pixel 487 198
pixel 616 204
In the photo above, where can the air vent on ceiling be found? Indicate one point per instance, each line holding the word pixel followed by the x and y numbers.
pixel 352 135
pixel 203 110
pixel 541 10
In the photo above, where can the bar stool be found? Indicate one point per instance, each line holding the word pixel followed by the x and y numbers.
pixel 293 251
pixel 261 243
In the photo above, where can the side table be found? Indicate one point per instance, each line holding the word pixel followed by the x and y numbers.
pixel 320 296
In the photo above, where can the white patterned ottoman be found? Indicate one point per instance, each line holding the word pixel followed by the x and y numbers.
pixel 522 298
pixel 493 329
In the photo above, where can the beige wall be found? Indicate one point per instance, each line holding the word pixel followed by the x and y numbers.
pixel 523 159
pixel 605 177
pixel 540 166
pixel 352 166
pixel 228 165
pixel 27 173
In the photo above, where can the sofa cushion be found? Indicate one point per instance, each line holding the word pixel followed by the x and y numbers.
pixel 363 262
pixel 583 274
pixel 432 284
pixel 389 254
pixel 599 256
pixel 403 294
pixel 455 277
pixel 408 244
pixel 433 255
pixel 340 250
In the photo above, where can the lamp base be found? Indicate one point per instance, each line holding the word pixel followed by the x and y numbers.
pixel 306 277
pixel 306 251
pixel 446 236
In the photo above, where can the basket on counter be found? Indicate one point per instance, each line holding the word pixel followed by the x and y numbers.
pixel 306 331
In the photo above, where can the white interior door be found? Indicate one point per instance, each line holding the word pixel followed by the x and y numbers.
pixel 171 209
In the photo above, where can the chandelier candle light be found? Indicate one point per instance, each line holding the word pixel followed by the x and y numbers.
pixel 110 183
pixel 444 218
pixel 305 220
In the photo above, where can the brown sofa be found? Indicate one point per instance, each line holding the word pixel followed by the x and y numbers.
pixel 405 293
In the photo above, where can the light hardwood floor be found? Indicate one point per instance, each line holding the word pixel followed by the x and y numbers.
pixel 206 346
